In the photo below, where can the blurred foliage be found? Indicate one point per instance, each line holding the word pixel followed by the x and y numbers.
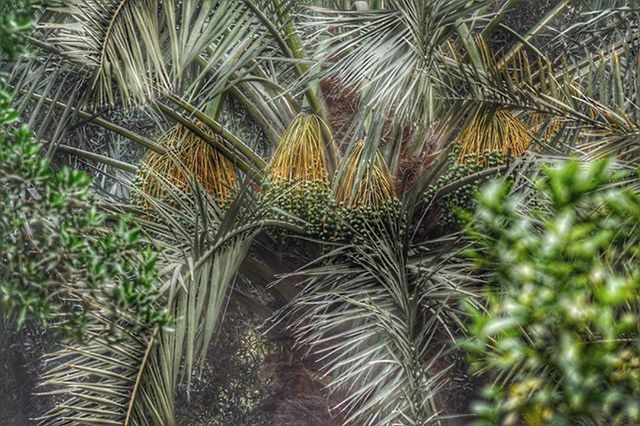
pixel 560 331
pixel 16 18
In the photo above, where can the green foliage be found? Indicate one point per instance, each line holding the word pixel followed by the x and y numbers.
pixel 59 252
pixel 16 18
pixel 560 332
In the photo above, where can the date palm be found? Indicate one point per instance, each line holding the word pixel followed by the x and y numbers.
pixel 381 311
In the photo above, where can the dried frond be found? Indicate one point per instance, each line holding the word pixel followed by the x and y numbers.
pixel 494 131
pixel 300 156
pixel 372 189
pixel 188 157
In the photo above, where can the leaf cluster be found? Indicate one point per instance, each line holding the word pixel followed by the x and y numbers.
pixel 57 251
pixel 560 334
pixel 16 18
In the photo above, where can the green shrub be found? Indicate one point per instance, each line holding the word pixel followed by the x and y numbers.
pixel 60 258
pixel 58 253
pixel 16 18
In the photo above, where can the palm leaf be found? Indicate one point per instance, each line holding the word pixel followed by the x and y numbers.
pixel 378 322
pixel 389 56
pixel 132 380
pixel 596 100
pixel 107 382
pixel 104 38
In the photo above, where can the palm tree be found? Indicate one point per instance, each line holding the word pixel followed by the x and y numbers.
pixel 422 78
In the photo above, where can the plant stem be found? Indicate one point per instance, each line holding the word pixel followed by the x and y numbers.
pixel 235 142
pixel 105 124
pixel 99 158
pixel 232 155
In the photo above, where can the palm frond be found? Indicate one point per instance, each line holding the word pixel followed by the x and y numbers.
pixel 389 56
pixel 597 98
pixel 377 322
pixel 107 382
pixel 90 56
pixel 126 63
pixel 133 380
pixel 594 26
